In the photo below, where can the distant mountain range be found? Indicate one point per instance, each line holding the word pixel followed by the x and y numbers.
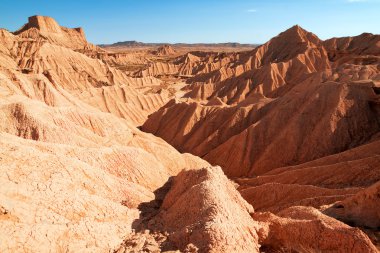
pixel 133 43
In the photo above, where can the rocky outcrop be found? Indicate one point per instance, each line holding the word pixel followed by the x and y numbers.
pixel 203 209
pixel 47 28
pixel 165 50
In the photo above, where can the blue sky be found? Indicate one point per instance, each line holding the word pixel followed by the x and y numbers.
pixel 245 21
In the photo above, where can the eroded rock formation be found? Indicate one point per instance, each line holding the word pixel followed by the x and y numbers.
pixel 295 123
pixel 312 107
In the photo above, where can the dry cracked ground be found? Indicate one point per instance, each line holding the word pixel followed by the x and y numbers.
pixel 156 149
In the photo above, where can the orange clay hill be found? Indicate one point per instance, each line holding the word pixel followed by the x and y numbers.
pixel 172 148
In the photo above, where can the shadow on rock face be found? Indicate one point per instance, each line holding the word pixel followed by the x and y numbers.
pixel 150 209
pixel 148 235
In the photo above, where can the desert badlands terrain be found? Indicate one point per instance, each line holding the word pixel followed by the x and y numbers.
pixel 188 148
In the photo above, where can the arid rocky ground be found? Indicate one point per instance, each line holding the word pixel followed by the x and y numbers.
pixel 188 149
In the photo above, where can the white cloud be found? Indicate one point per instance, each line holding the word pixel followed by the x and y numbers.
pixel 251 10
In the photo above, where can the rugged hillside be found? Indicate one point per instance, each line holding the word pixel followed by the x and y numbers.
pixel 290 97
pixel 295 122
pixel 79 176
pixel 69 169
pixel 54 60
